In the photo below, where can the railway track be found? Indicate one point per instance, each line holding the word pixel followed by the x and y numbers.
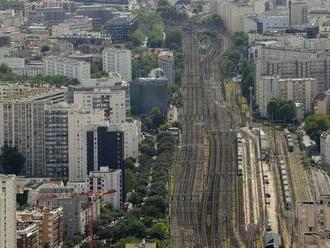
pixel 202 201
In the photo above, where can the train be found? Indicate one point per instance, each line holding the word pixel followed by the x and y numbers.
pixel 289 141
pixel 285 185
pixel 240 154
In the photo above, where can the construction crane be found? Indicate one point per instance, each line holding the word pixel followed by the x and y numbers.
pixel 89 196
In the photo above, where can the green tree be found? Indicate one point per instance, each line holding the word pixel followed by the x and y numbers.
pixel 130 180
pixel 173 39
pixel 157 117
pixel 240 39
pixel 247 78
pixel 121 243
pixel 11 160
pixel 281 110
pixel 315 125
pixel 47 245
pixel 99 74
pixel 4 69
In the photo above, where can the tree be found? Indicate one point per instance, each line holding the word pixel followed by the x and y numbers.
pixel 157 117
pixel 135 198
pixel 281 110
pixel 47 245
pixel 162 3
pixel 99 74
pixel 130 180
pixel 173 39
pixel 121 243
pixel 4 68
pixel 240 39
pixel 11 160
pixel 315 125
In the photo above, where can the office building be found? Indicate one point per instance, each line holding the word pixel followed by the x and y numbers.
pixel 132 137
pixel 113 102
pixel 325 148
pixel 22 125
pixel 63 66
pixel 77 122
pixel 166 63
pixel 7 211
pixel 105 148
pixel 147 93
pixel 109 182
pixel 121 26
pixel 27 234
pixel 50 225
pixel 118 60
pixel 298 13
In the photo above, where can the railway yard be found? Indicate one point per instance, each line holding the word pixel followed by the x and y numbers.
pixel 235 186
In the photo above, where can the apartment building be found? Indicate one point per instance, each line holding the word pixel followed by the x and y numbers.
pixel 50 225
pixel 298 13
pixel 22 125
pixel 7 211
pixel 78 119
pixel 118 60
pixel 107 180
pixel 303 68
pixel 27 234
pixel 132 137
pixel 299 90
pixel 166 63
pixel 63 66
pixel 57 140
pixel 112 101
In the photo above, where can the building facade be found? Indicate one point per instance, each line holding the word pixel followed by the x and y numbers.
pixel 118 60
pixel 112 101
pixel 77 122
pixel 325 148
pixel 7 211
pixel 147 93
pixel 167 64
pixel 22 125
pixel 62 66
pixel 107 180
pixel 27 234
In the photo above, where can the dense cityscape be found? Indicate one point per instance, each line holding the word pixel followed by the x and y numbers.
pixel 162 123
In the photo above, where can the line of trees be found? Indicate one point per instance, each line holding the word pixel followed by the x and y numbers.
pixel 315 125
pixel 281 110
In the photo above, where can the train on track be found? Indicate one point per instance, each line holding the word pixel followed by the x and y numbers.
pixel 289 141
pixel 240 154
pixel 285 185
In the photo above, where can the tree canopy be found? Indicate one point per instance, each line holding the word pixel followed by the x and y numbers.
pixel 315 125
pixel 281 110
pixel 11 160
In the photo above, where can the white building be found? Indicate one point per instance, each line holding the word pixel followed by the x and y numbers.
pixel 299 90
pixel 7 211
pixel 132 138
pixel 112 101
pixel 63 66
pixel 325 148
pixel 172 114
pixel 22 124
pixel 166 63
pixel 118 60
pixel 73 25
pixel 109 182
pixel 77 122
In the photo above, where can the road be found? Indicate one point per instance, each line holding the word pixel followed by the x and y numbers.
pixel 202 201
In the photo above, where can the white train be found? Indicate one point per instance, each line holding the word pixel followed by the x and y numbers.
pixel 240 154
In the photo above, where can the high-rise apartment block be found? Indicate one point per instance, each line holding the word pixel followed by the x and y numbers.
pixel 166 63
pixel 118 60
pixel 299 90
pixel 22 125
pixel 77 123
pixel 7 211
pixel 298 13
pixel 63 66
pixel 325 148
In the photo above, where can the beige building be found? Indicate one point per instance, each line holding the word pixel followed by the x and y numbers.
pixel 166 63
pixel 50 225
pixel 298 13
pixel 27 234
pixel 7 211
pixel 314 223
